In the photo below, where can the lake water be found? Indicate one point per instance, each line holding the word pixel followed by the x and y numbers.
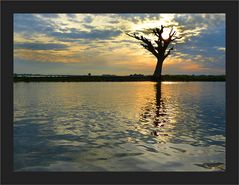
pixel 119 126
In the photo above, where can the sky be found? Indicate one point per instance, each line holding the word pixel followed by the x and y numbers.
pixel 78 44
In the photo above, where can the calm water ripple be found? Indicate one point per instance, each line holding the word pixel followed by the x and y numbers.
pixel 119 126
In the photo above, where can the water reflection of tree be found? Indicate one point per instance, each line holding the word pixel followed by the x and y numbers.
pixel 155 113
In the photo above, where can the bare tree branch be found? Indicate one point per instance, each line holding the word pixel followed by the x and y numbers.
pixel 168 52
pixel 162 44
pixel 147 44
pixel 170 33
pixel 176 38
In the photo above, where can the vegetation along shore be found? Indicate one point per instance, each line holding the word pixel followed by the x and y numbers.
pixel 114 78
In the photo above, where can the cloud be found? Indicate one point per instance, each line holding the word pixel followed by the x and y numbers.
pixel 49 15
pixel 190 66
pixel 71 15
pixel 88 19
pixel 97 42
pixel 42 56
pixel 40 46
pixel 94 34
pixel 221 49
pixel 87 26
pixel 28 24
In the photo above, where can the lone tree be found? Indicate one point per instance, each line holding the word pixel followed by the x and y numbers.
pixel 157 47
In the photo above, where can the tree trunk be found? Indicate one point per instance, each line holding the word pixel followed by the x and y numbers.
pixel 158 70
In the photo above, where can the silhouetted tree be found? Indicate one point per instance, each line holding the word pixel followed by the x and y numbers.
pixel 157 47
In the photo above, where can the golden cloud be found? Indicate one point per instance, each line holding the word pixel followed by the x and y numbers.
pixel 45 56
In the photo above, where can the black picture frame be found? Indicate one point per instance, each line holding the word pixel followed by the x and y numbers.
pixel 230 8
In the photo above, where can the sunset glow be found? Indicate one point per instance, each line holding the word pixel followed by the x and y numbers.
pixel 96 43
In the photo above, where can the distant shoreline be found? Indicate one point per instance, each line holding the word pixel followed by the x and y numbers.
pixel 117 78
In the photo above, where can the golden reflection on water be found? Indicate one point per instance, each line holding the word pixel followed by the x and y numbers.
pixel 160 114
pixel 157 115
pixel 115 126
pixel 153 105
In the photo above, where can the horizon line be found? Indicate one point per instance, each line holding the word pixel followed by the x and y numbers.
pixel 117 75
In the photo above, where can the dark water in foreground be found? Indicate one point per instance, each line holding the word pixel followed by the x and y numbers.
pixel 119 126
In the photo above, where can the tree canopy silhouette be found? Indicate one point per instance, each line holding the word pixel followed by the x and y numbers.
pixel 157 47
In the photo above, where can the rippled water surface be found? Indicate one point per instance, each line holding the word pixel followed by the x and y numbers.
pixel 119 126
